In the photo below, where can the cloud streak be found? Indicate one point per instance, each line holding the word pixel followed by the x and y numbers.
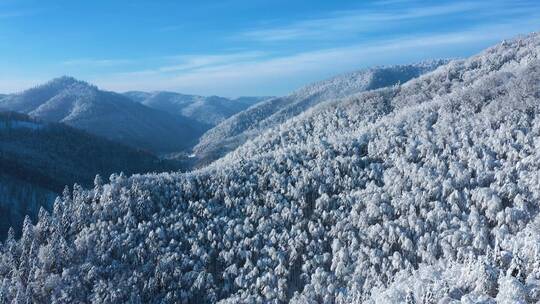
pixel 190 62
pixel 246 75
pixel 369 19
pixel 96 62
pixel 273 60
pixel 350 22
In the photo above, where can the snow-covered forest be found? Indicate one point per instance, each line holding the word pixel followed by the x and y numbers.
pixel 245 125
pixel 422 192
pixel 38 159
pixel 206 110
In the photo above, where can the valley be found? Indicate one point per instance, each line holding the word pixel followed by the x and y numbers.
pixel 403 184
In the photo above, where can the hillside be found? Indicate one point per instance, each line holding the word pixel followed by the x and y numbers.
pixel 423 192
pixel 208 111
pixel 248 124
pixel 107 114
pixel 39 159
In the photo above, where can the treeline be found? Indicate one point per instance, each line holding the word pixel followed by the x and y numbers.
pixel 52 156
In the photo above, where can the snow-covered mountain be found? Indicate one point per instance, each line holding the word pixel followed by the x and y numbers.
pixel 425 192
pixel 38 159
pixel 111 115
pixel 248 124
pixel 209 110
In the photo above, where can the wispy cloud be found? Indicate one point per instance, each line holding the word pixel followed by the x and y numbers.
pixel 341 58
pixel 96 62
pixel 380 15
pixel 181 64
pixel 273 60
pixel 236 74
pixel 189 62
pixel 353 22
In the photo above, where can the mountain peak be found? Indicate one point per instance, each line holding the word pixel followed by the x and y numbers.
pixel 67 81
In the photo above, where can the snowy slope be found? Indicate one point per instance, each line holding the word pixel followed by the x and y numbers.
pixel 418 193
pixel 38 159
pixel 247 124
pixel 103 113
pixel 209 110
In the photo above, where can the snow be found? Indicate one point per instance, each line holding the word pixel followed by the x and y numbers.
pixel 234 131
pixel 208 111
pixel 107 114
pixel 423 192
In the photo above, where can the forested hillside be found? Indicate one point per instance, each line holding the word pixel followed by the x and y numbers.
pixel 207 110
pixel 39 159
pixel 247 124
pixel 371 198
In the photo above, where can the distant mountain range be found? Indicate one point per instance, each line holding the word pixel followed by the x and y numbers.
pixel 38 159
pixel 249 123
pixel 66 131
pixel 209 110
pixel 159 122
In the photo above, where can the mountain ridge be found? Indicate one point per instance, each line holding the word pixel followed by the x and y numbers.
pixel 209 110
pixel 38 159
pixel 362 199
pixel 245 125
pixel 104 113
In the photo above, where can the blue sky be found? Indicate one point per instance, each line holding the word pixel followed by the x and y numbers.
pixel 239 47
